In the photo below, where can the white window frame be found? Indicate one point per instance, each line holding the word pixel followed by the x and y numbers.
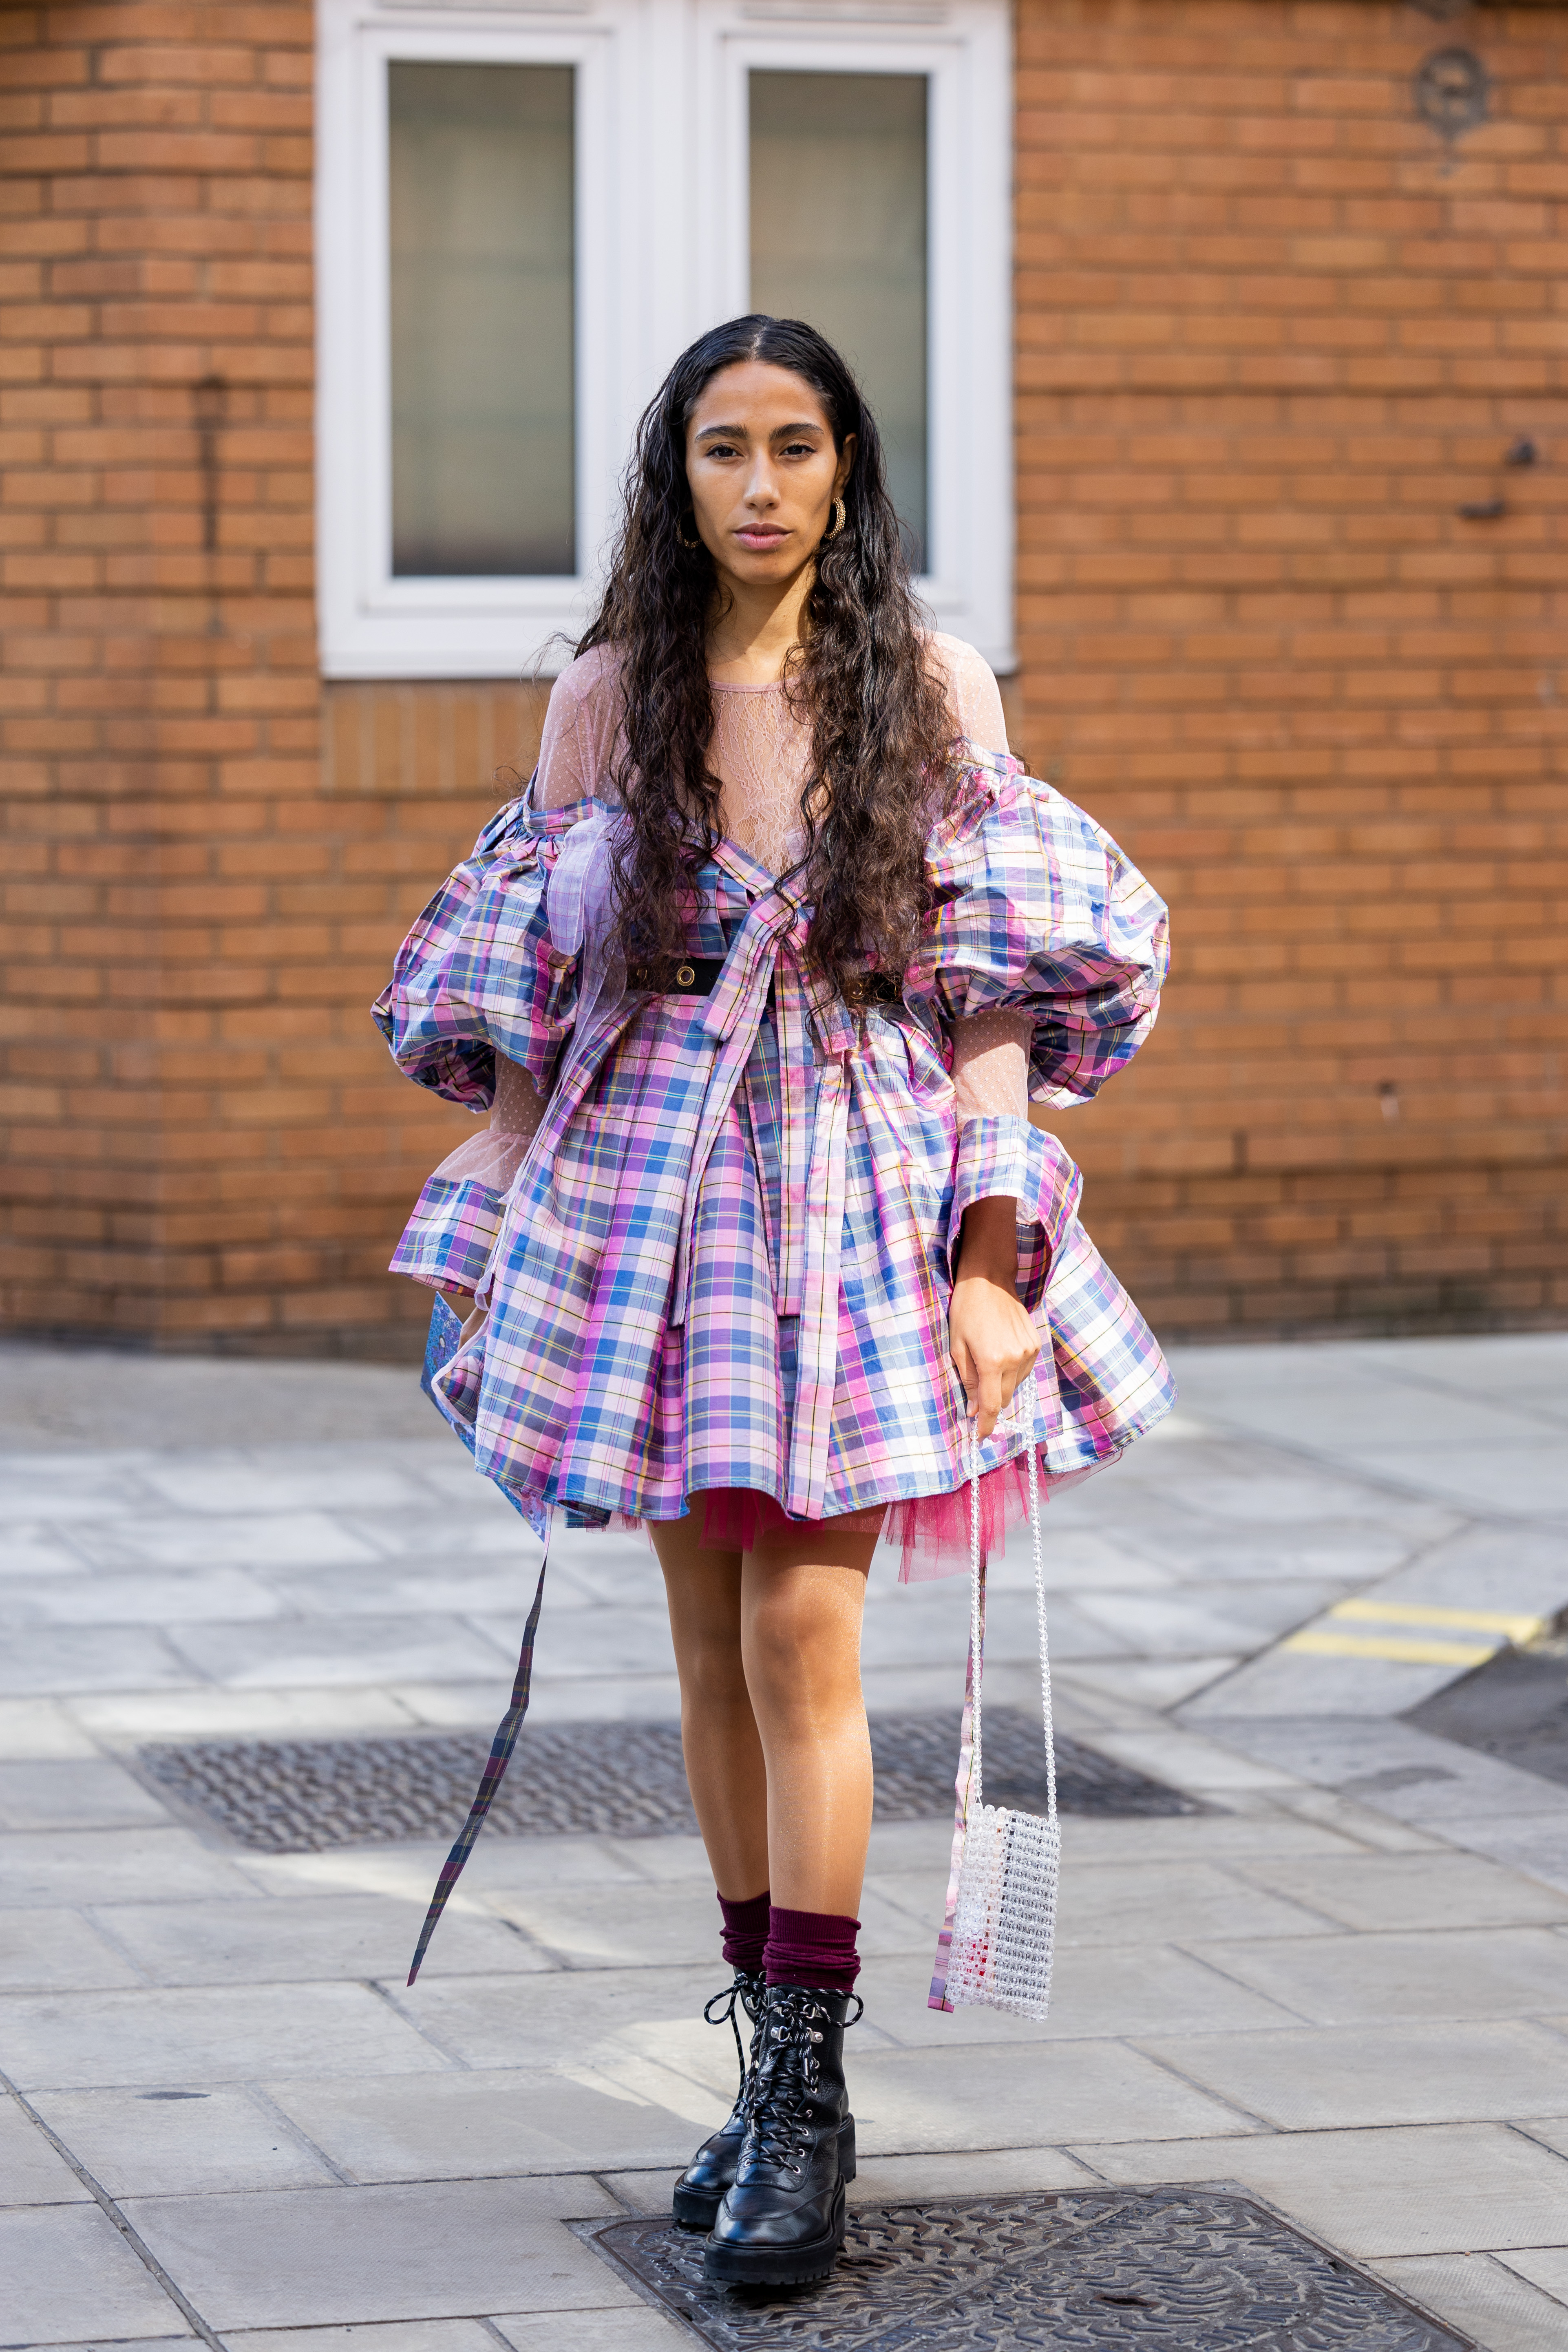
pixel 662 252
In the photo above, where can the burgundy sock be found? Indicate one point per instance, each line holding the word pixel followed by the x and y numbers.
pixel 745 1930
pixel 811 1948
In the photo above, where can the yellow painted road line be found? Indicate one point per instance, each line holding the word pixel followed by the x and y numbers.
pixel 1407 1651
pixel 1420 1612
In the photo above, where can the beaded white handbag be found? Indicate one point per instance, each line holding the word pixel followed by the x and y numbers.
pixel 1003 1915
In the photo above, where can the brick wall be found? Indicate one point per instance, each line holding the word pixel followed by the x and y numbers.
pixel 200 1140
pixel 1273 333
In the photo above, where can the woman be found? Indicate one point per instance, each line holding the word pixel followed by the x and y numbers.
pixel 758 975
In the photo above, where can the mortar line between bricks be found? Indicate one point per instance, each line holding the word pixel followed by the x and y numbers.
pixel 109 2208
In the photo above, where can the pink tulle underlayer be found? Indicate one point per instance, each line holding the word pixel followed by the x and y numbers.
pixel 932 1532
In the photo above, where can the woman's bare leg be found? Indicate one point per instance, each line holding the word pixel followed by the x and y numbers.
pixel 718 1729
pixel 801 1602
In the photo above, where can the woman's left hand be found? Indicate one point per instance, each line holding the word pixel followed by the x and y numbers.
pixel 991 1339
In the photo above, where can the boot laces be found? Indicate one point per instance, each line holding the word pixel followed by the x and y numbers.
pixel 790 2075
pixel 747 1991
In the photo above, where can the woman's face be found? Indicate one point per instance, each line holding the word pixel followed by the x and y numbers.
pixel 762 470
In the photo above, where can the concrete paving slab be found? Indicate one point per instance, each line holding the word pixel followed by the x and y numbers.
pixel 70 2274
pixel 458 2127
pixel 143 1718
pixel 405 2336
pixel 1096 1990
pixel 92 1485
pixel 1393 2073
pixel 1431 2190
pixel 406 1873
pixel 176 1540
pixel 977 2172
pixel 487 1586
pixel 569 1698
pixel 134 1597
pixel 206 2034
pixel 1135 1903
pixel 74 1794
pixel 1013 2095
pixel 1186 1760
pixel 505 2022
pixel 346 1650
pixel 643 2192
pixel 1076 1560
pixel 1537 1845
pixel 1552 2131
pixel 1479 2296
pixel 336 1938
pixel 82 1866
pixel 642 2330
pixel 64 1658
pixel 1289 1682
pixel 1373 1832
pixel 57 1951
pixel 1341 1550
pixel 1519 1480
pixel 1545 2266
pixel 1408 1773
pixel 1433 1889
pixel 279 1482
pixel 1216 1836
pixel 677 1926
pixel 52 1398
pixel 574 1641
pixel 1519 1571
pixel 33 2172
pixel 1349 1979
pixel 143 2344
pixel 338 2256
pixel 1201 1621
pixel 445 1536
pixel 1145 1683
pixel 36 1552
pixel 41 1729
pixel 153 2144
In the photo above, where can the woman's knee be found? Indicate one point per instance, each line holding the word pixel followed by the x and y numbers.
pixel 798 1663
pixel 712 1669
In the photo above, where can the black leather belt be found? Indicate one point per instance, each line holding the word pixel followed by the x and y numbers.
pixel 699 976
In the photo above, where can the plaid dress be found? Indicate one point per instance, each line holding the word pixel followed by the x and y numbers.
pixel 726 1260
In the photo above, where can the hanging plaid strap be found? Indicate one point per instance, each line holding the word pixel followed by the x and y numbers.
pixel 493 1774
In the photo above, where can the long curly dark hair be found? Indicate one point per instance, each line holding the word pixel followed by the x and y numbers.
pixel 883 764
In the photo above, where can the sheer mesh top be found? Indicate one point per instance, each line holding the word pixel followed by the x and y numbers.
pixel 760 753
pixel 761 750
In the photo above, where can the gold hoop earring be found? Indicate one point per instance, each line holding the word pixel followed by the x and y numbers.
pixel 839 512
pixel 682 539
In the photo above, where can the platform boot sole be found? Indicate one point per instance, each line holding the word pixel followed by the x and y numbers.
pixel 698 2208
pixel 771 2265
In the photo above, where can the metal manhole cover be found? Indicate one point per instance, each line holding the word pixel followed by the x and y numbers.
pixel 602 1779
pixel 1149 2270
pixel 1514 1707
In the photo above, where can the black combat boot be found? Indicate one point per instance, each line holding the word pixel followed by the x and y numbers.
pixel 701 2185
pixel 783 2220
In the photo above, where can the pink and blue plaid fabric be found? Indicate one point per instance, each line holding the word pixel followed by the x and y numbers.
pixel 726 1259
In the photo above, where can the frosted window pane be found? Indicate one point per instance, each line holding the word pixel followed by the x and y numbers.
pixel 483 439
pixel 838 238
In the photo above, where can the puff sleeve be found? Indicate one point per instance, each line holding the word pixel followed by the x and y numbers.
pixel 478 980
pixel 1037 912
pixel 478 974
pixel 1037 908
